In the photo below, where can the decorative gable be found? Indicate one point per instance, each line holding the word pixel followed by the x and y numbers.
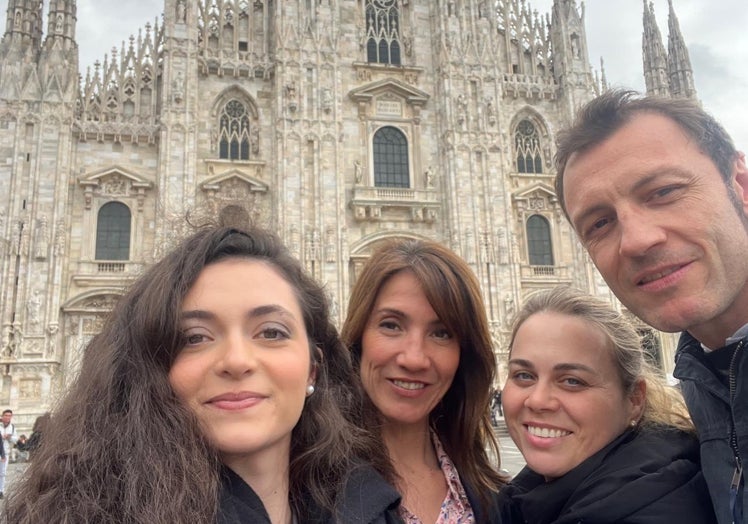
pixel 234 184
pixel 389 98
pixel 537 197
pixel 114 182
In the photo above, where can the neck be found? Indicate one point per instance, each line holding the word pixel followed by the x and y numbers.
pixel 267 475
pixel 714 333
pixel 409 447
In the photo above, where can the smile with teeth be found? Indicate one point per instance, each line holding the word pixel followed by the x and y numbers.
pixel 547 432
pixel 409 385
pixel 656 276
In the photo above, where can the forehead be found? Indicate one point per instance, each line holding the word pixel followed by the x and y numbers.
pixel 551 338
pixel 237 279
pixel 402 285
pixel 649 142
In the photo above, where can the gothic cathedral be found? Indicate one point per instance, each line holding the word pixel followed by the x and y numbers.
pixel 336 123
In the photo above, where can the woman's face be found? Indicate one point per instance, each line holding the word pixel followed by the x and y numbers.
pixel 245 364
pixel 564 400
pixel 408 356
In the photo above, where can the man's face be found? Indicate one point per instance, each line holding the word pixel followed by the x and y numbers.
pixel 657 219
pixel 6 418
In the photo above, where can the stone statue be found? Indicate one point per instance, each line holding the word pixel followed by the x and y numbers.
pixel 41 247
pixel 181 12
pixel 358 171
pixel 178 88
pixel 428 177
pixel 33 307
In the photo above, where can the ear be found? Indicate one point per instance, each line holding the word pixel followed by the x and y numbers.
pixel 638 398
pixel 314 362
pixel 740 183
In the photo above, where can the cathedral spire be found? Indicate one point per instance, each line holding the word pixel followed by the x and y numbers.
pixel 678 63
pixel 570 56
pixel 23 30
pixel 58 62
pixel 61 25
pixel 654 56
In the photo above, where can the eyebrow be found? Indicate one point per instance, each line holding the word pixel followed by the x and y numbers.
pixel 259 311
pixel 558 367
pixel 396 312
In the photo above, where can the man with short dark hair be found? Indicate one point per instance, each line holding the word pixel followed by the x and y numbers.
pixel 9 437
pixel 659 198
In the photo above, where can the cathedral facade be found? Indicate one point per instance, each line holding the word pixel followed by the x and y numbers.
pixel 336 123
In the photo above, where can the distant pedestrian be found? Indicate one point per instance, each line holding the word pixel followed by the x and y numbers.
pixel 20 452
pixel 9 437
pixel 40 425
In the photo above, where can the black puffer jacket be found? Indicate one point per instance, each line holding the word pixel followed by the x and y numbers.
pixel 366 499
pixel 643 477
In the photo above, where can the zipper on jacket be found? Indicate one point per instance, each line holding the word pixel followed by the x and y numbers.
pixel 737 475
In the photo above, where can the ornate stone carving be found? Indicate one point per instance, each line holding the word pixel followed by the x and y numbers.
pixel 41 244
pixel 30 389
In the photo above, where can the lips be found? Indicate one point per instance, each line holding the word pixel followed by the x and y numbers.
pixel 235 401
pixel 651 277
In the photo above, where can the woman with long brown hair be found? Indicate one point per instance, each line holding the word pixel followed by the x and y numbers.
pixel 419 336
pixel 217 391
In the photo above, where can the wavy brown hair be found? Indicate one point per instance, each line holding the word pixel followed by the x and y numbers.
pixel 120 446
pixel 462 419
pixel 663 405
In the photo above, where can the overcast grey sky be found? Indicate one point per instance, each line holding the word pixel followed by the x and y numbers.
pixel 714 30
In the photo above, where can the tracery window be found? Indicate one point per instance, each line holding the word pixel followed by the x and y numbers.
pixel 539 247
pixel 113 232
pixel 527 144
pixel 234 133
pixel 383 32
pixel 391 158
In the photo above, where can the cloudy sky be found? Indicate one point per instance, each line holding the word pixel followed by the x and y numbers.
pixel 714 30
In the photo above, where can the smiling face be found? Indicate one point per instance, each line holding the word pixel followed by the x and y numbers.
pixel 564 400
pixel 245 364
pixel 658 221
pixel 408 357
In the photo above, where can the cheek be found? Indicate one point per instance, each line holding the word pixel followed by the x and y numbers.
pixel 450 361
pixel 183 379
pixel 510 399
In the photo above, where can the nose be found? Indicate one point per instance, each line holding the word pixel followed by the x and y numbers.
pixel 237 356
pixel 413 353
pixel 639 233
pixel 541 397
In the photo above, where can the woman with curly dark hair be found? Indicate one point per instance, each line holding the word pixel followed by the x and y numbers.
pixel 217 391
pixel 419 336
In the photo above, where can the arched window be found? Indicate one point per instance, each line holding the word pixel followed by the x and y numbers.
pixel 527 144
pixel 113 232
pixel 539 245
pixel 383 32
pixel 234 134
pixel 391 158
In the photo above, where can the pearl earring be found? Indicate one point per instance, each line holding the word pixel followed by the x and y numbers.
pixel 309 389
pixel 633 423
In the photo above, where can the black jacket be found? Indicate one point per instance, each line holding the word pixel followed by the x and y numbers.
pixel 642 477
pixel 484 515
pixel 366 499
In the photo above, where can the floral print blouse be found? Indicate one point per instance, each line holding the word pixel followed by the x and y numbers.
pixel 455 507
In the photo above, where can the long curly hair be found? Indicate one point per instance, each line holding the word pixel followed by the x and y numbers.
pixel 121 448
pixel 462 419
